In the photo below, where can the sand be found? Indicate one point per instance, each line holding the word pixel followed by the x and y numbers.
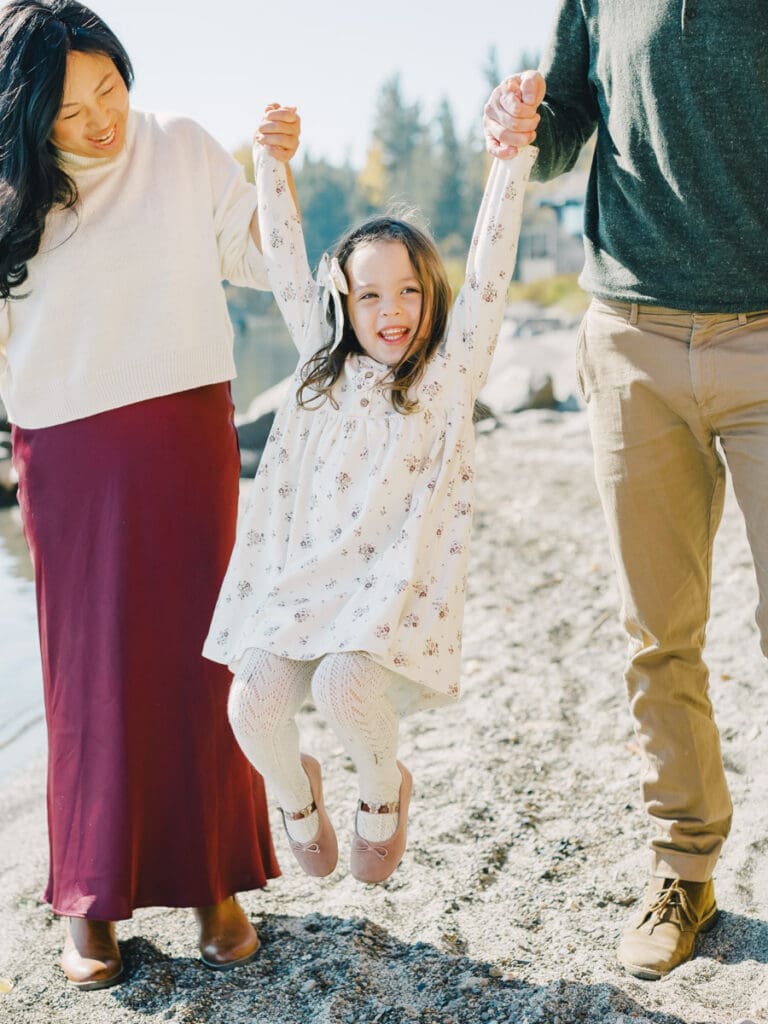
pixel 528 843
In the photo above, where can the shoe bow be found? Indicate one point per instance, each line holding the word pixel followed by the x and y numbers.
pixel 363 846
pixel 305 847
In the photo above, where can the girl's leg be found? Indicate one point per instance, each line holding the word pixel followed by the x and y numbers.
pixel 350 691
pixel 266 695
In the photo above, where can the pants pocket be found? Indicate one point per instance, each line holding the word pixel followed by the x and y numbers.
pixel 581 352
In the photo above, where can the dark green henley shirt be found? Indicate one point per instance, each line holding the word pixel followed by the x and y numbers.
pixel 677 203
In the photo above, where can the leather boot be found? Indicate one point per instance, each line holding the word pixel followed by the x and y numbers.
pixel 227 937
pixel 91 957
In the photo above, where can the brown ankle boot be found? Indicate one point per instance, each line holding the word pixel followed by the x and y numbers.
pixel 227 937
pixel 663 934
pixel 91 957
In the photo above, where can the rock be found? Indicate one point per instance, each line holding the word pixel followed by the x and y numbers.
pixel 254 426
pixel 482 412
pixel 508 388
pixel 267 401
pixel 249 462
pixel 570 404
pixel 541 394
pixel 253 434
pixel 9 481
pixel 472 983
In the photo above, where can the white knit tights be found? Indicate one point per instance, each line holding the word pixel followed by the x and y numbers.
pixel 349 690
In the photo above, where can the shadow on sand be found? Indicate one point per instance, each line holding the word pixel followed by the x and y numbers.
pixel 328 970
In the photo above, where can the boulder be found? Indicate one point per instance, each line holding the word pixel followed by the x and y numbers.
pixel 253 434
pixel 9 481
pixel 254 425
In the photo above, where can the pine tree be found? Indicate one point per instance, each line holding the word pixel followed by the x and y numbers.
pixel 399 130
pixel 447 218
pixel 329 201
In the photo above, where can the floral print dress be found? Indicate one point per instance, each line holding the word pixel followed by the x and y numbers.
pixel 356 534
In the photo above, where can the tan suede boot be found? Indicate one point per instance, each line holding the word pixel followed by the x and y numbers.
pixel 663 934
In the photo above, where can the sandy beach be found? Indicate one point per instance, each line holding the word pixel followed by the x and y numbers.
pixel 528 843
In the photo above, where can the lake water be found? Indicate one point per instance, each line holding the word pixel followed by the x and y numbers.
pixel 264 355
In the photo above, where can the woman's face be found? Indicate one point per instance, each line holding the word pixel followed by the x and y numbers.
pixel 94 108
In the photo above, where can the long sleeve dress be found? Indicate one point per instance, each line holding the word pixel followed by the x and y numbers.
pixel 356 534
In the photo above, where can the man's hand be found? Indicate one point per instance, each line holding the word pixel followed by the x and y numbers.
pixel 510 119
pixel 279 131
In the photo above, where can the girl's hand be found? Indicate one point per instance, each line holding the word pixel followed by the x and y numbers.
pixel 279 131
pixel 511 116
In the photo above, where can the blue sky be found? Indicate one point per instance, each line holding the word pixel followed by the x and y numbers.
pixel 222 61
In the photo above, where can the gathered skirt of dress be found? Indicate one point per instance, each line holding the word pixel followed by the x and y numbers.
pixel 130 519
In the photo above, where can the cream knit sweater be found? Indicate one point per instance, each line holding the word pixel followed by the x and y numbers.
pixel 124 298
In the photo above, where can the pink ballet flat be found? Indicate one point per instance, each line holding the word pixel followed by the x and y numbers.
pixel 375 861
pixel 320 855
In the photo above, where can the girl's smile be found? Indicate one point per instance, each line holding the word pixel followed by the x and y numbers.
pixel 385 300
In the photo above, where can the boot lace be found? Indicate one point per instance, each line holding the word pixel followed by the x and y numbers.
pixel 671 904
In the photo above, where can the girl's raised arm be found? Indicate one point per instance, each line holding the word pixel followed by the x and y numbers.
pixel 283 248
pixel 479 309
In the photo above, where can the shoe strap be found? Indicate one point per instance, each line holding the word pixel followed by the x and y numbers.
pixel 298 815
pixel 391 808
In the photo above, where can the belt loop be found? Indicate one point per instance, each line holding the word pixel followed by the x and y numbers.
pixel 633 312
pixel 742 319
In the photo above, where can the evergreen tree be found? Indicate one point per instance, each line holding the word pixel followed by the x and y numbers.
pixel 329 202
pixel 372 181
pixel 447 219
pixel 474 172
pixel 399 130
pixel 492 69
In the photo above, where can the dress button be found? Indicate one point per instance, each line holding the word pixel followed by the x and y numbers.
pixel 364 402
pixel 369 373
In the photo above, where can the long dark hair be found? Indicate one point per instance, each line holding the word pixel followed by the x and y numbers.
pixel 322 371
pixel 35 38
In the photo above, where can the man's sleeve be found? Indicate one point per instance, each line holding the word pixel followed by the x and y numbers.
pixel 569 112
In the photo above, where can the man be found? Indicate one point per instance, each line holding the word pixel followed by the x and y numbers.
pixel 673 357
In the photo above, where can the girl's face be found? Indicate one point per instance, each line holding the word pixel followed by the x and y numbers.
pixel 385 299
pixel 94 108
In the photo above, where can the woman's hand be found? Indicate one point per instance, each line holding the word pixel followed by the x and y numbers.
pixel 510 118
pixel 279 131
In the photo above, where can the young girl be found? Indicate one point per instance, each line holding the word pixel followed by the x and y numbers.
pixel 347 578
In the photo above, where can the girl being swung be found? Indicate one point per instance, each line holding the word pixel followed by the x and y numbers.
pixel 348 574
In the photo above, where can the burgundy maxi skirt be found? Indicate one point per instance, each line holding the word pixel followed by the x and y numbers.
pixel 130 520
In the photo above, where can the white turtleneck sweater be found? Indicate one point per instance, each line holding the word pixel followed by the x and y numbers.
pixel 125 300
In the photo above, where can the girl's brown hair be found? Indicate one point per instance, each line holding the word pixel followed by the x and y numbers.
pixel 320 373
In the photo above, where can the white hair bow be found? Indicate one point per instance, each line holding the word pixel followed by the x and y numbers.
pixel 330 277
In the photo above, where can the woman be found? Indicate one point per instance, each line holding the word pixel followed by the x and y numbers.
pixel 116 230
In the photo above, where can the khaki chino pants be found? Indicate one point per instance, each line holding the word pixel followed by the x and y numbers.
pixel 661 386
